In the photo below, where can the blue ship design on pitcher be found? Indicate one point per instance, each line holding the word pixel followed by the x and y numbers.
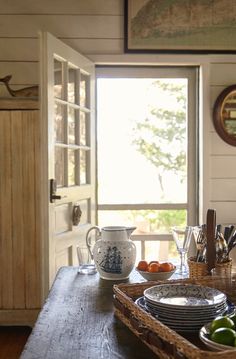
pixel 112 261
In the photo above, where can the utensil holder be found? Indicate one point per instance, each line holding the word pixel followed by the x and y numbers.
pixel 198 270
pixel 210 267
pixel 223 270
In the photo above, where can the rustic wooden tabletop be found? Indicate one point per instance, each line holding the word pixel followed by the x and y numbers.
pixel 78 322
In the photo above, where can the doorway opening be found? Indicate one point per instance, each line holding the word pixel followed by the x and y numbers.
pixel 147 135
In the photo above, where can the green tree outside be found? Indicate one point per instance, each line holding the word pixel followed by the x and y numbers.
pixel 161 138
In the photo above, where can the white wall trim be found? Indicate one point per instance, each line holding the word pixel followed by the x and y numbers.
pixel 157 59
pixel 204 141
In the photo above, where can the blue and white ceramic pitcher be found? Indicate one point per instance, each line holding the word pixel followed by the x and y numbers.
pixel 113 253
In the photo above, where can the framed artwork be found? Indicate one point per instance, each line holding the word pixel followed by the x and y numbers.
pixel 180 26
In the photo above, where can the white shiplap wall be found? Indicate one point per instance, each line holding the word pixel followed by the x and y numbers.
pixel 89 26
pixel 222 155
pixel 95 28
pixel 222 178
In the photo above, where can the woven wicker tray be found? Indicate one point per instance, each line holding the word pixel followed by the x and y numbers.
pixel 163 341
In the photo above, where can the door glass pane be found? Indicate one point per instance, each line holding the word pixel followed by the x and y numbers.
pixel 59 125
pixel 84 86
pixel 71 125
pixel 60 166
pixel 71 84
pixel 83 167
pixel 58 79
pixel 143 123
pixel 71 167
pixel 83 127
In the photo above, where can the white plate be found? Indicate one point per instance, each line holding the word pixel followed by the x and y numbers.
pixel 193 319
pixel 187 295
pixel 182 310
pixel 229 309
pixel 204 336
pixel 198 318
pixel 181 328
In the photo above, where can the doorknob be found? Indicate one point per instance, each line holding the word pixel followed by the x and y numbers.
pixel 53 190
pixel 76 215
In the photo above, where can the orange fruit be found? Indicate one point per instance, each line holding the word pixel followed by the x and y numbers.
pixel 172 265
pixel 142 265
pixel 166 267
pixel 153 267
pixel 153 262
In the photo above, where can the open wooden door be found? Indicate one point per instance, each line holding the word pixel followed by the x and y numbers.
pixel 68 142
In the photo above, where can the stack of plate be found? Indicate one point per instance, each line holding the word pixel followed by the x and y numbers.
pixel 184 307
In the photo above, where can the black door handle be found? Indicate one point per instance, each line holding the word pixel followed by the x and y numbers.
pixel 53 197
pixel 53 189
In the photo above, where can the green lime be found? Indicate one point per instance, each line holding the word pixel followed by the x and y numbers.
pixel 235 342
pixel 221 322
pixel 233 318
pixel 225 336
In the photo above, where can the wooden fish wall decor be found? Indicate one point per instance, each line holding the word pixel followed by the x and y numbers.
pixel 31 91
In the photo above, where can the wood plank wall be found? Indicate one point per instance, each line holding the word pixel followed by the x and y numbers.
pixel 95 28
pixel 20 274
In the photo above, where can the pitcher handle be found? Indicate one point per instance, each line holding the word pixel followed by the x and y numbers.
pixel 88 242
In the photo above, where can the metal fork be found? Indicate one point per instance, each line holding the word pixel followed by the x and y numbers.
pixel 201 244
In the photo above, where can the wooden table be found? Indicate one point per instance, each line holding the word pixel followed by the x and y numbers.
pixel 78 322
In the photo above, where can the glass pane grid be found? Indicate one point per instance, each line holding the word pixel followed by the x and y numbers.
pixel 71 127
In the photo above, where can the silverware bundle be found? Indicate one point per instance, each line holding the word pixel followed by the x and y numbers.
pixel 224 242
pixel 201 240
